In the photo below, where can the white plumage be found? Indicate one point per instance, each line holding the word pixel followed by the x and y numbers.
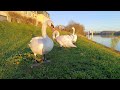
pixel 55 34
pixel 42 45
pixel 73 36
pixel 63 40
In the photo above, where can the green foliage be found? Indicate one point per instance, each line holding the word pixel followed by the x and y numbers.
pixel 88 61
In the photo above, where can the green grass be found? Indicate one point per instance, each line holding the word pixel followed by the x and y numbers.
pixel 88 61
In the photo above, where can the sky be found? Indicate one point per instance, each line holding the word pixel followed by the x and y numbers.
pixel 91 20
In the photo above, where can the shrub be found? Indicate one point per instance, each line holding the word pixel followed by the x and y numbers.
pixel 39 24
pixel 15 17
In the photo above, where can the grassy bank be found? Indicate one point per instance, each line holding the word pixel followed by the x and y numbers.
pixel 88 61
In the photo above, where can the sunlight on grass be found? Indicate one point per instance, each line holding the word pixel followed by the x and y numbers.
pixel 88 61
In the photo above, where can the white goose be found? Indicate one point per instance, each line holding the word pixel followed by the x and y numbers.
pixel 73 36
pixel 55 34
pixel 63 40
pixel 42 45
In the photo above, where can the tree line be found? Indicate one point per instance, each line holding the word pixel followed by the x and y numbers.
pixel 79 29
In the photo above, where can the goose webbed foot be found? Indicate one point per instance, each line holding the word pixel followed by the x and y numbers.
pixel 35 64
pixel 44 59
pixel 35 61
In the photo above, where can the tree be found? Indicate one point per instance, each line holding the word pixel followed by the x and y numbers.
pixel 78 27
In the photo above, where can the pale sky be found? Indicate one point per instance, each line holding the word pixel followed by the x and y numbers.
pixel 92 20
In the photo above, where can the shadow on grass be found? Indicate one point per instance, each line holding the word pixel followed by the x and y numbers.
pixel 19 67
pixel 65 65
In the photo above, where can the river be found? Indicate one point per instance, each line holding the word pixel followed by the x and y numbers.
pixel 109 41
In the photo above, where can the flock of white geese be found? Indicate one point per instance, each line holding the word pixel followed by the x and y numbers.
pixel 43 45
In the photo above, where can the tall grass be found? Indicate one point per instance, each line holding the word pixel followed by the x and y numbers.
pixel 88 61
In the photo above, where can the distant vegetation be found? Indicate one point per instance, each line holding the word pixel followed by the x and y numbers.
pixel 116 33
pixel 78 27
pixel 15 17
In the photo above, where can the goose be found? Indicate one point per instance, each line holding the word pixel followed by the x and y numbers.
pixel 42 45
pixel 73 36
pixel 55 34
pixel 63 40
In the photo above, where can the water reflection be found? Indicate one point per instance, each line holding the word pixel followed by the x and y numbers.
pixel 114 42
pixel 90 37
pixel 109 41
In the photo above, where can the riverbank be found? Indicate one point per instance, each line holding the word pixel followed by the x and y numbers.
pixel 110 42
pixel 88 61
